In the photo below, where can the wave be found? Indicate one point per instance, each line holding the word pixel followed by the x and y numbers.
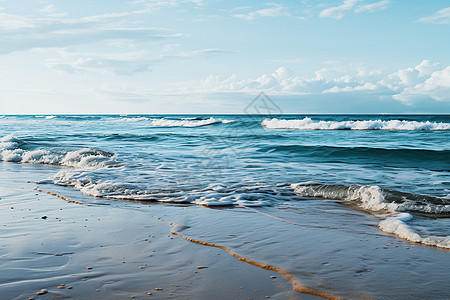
pixel 85 158
pixel 183 122
pixel 429 159
pixel 186 122
pixel 46 117
pixel 374 198
pixel 398 206
pixel 309 124
pixel 212 195
pixel 397 225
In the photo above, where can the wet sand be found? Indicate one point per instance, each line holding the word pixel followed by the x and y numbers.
pixel 102 248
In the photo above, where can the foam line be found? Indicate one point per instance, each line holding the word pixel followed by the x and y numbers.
pixel 309 124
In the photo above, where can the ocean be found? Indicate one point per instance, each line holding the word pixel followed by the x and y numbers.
pixel 385 164
pixel 386 175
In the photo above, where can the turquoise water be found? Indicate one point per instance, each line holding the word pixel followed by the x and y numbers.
pixel 394 166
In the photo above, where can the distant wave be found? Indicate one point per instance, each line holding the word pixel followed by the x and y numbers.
pixel 46 117
pixel 309 124
pixel 183 122
pixel 186 122
pixel 395 206
pixel 85 158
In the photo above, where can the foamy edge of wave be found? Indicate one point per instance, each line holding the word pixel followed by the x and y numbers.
pixel 210 196
pixel 85 158
pixel 187 123
pixel 397 225
pixel 372 198
pixel 308 124
pixel 184 122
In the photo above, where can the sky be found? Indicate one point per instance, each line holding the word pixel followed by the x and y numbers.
pixel 199 56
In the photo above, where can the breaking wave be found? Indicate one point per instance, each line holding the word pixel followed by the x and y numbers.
pixel 309 124
pixel 183 122
pixel 396 207
pixel 397 224
pixel 211 195
pixel 85 158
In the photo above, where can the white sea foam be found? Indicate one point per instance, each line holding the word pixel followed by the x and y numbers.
pixel 85 158
pixel 369 197
pixel 309 124
pixel 373 198
pixel 397 224
pixel 185 123
pixel 46 117
pixel 90 185
pixel 132 119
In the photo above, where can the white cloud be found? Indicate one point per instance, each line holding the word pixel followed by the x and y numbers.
pixel 373 7
pixel 426 67
pixel 420 84
pixel 15 22
pixel 150 6
pixel 368 86
pixel 436 86
pixel 52 11
pixel 52 28
pixel 441 17
pixel 123 63
pixel 338 12
pixel 275 10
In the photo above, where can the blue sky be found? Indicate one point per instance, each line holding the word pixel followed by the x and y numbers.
pixel 198 56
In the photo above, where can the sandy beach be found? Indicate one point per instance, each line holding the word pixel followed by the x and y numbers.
pixel 110 252
pixel 92 248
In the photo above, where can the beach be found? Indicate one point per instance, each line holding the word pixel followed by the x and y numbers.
pixel 123 251
pixel 110 252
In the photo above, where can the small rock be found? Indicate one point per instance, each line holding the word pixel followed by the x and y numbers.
pixel 200 267
pixel 149 294
pixel 158 289
pixel 69 287
pixel 273 276
pixel 89 268
pixel 42 292
pixel 44 217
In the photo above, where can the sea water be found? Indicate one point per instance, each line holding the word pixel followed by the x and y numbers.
pixel 395 167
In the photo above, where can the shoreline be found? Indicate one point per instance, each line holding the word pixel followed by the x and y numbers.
pixel 123 250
